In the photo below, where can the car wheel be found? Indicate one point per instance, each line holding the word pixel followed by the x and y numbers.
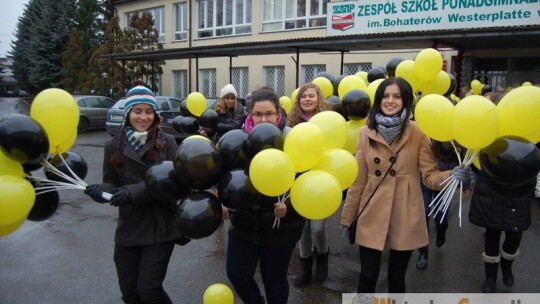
pixel 83 125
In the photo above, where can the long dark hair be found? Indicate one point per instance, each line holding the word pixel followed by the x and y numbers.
pixel 407 96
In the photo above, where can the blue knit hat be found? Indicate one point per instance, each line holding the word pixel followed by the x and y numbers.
pixel 137 95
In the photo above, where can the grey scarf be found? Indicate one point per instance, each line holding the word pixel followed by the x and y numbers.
pixel 390 126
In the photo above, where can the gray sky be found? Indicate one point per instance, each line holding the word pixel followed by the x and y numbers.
pixel 10 11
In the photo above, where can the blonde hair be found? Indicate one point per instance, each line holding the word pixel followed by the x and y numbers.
pixel 295 115
pixel 221 107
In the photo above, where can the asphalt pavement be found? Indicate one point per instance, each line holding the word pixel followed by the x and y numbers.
pixel 68 258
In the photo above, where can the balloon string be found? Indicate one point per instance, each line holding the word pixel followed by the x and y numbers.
pixel 457 153
pixel 75 176
pixel 55 170
pixel 47 182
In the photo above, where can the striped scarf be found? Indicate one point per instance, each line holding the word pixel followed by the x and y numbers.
pixel 135 139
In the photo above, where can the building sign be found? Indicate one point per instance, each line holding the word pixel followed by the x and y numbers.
pixel 384 16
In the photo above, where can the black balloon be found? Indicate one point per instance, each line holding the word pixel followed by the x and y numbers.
pixel 184 109
pixel 209 119
pixel 510 161
pixel 376 73
pixel 356 104
pixel 391 66
pixel 161 181
pixel 231 148
pixel 336 82
pixel 31 167
pixel 197 163
pixel 189 125
pixel 486 89
pixel 199 215
pixel 325 75
pixel 23 139
pixel 236 190
pixel 335 103
pixel 453 85
pixel 265 135
pixel 45 204
pixel 177 124
pixel 74 161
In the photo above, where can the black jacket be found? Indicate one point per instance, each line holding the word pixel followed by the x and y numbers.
pixel 147 220
pixel 230 120
pixel 497 208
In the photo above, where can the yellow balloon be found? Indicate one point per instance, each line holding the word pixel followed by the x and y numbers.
pixel 353 131
pixel 438 85
pixel 434 114
pixel 520 111
pixel 17 197
pixel 428 64
pixel 58 114
pixel 316 195
pixel 348 83
pixel 286 103
pixel 475 123
pixel 476 87
pixel 325 85
pixel 10 228
pixel 271 172
pixel 526 84
pixel 66 144
pixel 218 294
pixel 333 127
pixel 372 89
pixel 196 103
pixel 406 70
pixel 294 94
pixel 363 75
pixel 455 98
pixel 9 166
pixel 476 161
pixel 341 164
pixel 304 145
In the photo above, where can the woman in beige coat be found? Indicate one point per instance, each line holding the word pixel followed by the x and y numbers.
pixel 395 212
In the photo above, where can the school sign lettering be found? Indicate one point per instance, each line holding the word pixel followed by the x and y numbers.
pixel 379 16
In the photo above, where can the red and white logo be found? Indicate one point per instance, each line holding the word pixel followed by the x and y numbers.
pixel 342 22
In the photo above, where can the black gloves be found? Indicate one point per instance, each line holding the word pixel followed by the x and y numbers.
pixel 182 241
pixel 95 191
pixel 120 197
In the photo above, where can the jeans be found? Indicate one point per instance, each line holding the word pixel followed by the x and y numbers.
pixel 141 271
pixel 315 231
pixel 242 260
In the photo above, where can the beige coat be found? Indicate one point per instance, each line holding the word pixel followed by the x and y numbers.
pixel 396 211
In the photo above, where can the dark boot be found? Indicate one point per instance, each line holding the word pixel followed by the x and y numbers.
pixel 506 267
pixel 421 263
pixel 441 236
pixel 304 277
pixel 491 264
pixel 321 266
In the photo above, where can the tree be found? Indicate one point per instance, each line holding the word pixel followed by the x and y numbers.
pixel 42 33
pixel 74 64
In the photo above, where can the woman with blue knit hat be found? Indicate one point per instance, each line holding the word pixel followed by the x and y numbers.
pixel 146 231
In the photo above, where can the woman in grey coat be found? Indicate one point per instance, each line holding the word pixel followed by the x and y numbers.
pixel 146 231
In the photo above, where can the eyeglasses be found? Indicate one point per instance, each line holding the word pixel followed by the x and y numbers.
pixel 261 115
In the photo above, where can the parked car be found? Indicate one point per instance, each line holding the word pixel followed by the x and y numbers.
pixel 168 109
pixel 92 111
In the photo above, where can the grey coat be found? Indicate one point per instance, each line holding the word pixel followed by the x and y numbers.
pixel 147 220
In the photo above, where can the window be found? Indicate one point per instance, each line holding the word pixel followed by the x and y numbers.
pixel 163 105
pixel 353 68
pixel 309 71
pixel 159 22
pixel 274 77
pixel 223 17
pixel 240 80
pixel 207 82
pixel 293 14
pixel 180 21
pixel 180 83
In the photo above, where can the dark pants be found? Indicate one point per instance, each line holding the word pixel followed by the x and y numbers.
pixel 370 263
pixel 141 271
pixel 242 260
pixel 510 244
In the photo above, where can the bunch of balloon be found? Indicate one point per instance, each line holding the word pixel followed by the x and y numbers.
pixel 407 70
pixel 315 149
pixel 196 103
pixel 476 87
pixel 286 103
pixel 350 82
pixel 197 167
pixel 325 85
pixel 218 294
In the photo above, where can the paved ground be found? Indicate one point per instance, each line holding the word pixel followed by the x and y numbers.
pixel 68 258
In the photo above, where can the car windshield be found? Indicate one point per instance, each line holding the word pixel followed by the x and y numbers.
pixel 119 104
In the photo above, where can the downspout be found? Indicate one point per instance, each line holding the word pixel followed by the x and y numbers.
pixel 190 22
